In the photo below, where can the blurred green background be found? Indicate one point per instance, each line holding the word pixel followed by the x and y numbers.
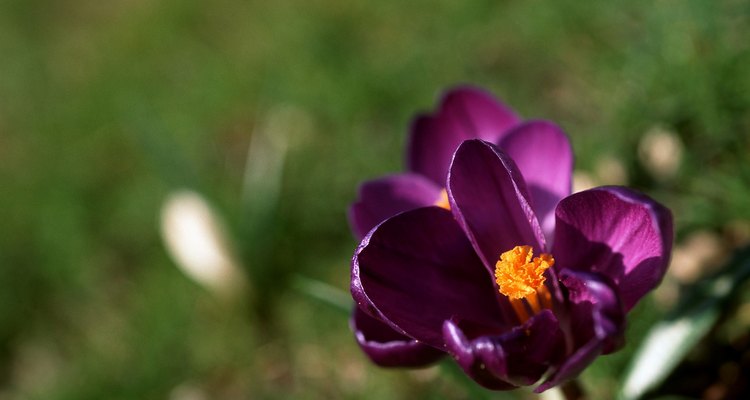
pixel 107 107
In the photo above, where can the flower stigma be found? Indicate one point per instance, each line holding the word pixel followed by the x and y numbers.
pixel 520 277
pixel 442 201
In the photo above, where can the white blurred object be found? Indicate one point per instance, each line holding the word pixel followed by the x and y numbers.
pixel 196 240
pixel 660 152
pixel 554 393
pixel 656 355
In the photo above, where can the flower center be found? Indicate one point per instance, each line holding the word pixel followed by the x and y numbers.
pixel 520 277
pixel 443 200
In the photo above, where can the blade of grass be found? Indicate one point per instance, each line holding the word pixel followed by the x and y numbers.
pixel 324 293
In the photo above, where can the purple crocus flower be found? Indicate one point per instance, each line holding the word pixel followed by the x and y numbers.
pixel 464 113
pixel 485 282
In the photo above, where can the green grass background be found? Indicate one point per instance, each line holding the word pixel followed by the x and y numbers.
pixel 106 107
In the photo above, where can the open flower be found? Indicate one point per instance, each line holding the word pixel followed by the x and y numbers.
pixel 485 283
pixel 540 149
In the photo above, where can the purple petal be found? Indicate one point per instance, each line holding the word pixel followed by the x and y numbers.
pixel 385 197
pixel 618 233
pixel 574 364
pixel 489 200
pixel 388 348
pixel 595 310
pixel 542 152
pixel 464 113
pixel 595 323
pixel 517 357
pixel 416 270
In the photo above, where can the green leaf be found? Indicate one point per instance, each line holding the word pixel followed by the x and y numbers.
pixel 324 293
pixel 670 340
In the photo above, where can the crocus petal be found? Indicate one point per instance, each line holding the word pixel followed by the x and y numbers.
pixel 464 113
pixel 618 233
pixel 595 310
pixel 489 200
pixel 385 197
pixel 596 323
pixel 416 270
pixel 517 357
pixel 542 152
pixel 388 348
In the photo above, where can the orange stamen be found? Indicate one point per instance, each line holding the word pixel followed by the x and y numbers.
pixel 443 200
pixel 520 309
pixel 520 277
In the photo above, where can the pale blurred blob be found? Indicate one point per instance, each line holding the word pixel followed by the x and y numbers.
pixel 196 240
pixel 426 375
pixel 36 367
pixel 697 256
pixel 660 152
pixel 267 151
pixel 608 170
pixel 554 393
pixel 188 391
pixel 667 294
pixel 611 171
pixel 743 314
